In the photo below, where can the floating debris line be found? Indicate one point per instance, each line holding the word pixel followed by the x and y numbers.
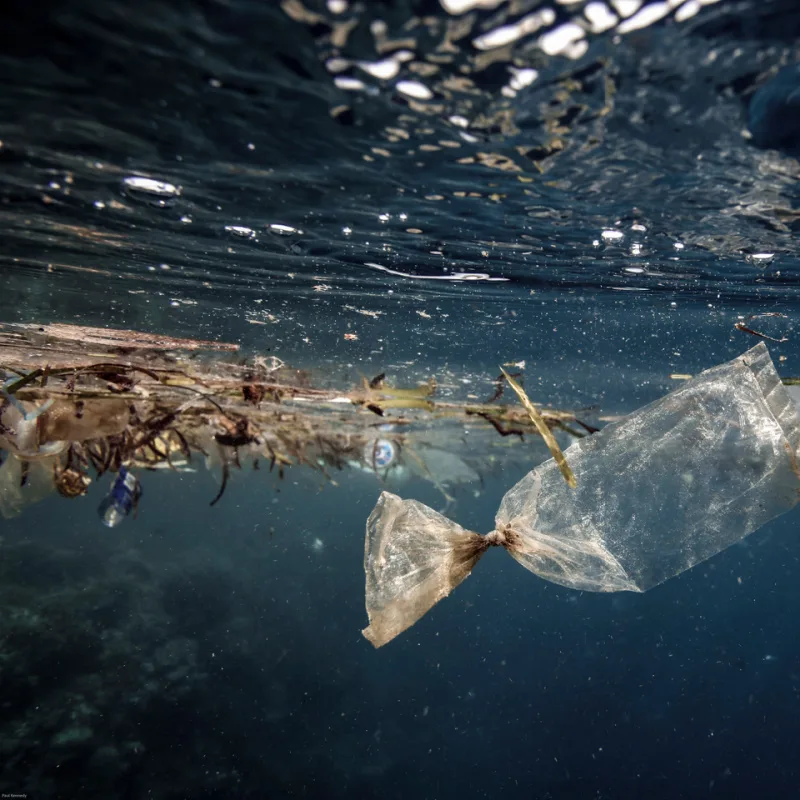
pixel 78 402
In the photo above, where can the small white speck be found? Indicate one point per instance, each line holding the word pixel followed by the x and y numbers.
pixel 241 230
pixel 158 188
pixel 348 84
pixel 283 230
pixel 414 89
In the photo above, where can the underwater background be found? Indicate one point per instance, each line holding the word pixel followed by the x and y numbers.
pixel 596 193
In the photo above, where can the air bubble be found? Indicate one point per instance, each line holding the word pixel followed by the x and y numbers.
pixel 241 230
pixel 153 192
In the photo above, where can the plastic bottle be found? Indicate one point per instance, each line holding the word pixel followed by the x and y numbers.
pixel 121 499
pixel 379 454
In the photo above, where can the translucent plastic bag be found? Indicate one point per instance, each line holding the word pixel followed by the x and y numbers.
pixel 661 490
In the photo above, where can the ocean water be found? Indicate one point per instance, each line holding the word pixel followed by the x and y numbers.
pixel 426 189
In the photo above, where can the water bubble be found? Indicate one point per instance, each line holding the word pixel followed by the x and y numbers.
pixel 241 230
pixel 415 89
pixel 761 259
pixel 349 84
pixel 283 230
pixel 148 190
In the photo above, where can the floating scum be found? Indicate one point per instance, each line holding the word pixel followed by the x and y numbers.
pixel 648 497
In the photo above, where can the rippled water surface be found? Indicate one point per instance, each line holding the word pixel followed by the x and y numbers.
pixel 599 190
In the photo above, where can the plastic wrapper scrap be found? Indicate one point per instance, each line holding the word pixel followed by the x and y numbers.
pixel 656 493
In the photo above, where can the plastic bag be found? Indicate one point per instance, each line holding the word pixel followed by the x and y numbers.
pixel 663 489
pixel 18 488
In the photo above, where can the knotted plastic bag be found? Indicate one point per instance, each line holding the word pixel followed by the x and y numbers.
pixel 657 492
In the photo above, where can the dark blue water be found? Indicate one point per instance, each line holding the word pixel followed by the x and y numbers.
pixel 260 173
